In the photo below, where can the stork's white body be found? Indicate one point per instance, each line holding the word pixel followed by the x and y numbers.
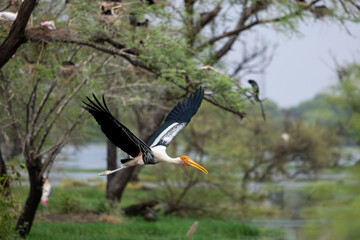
pixel 8 16
pixel 159 153
pixel 46 192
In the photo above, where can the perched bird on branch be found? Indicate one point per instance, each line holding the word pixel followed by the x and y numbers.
pixel 255 88
pixel 105 12
pixel 143 24
pixel 68 69
pixel 132 19
pixel 303 3
pixel 148 2
pixel 134 22
pixel 154 151
pixel 256 91
pixel 320 11
pixel 48 24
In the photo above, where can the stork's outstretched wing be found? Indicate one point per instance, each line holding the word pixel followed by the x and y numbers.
pixel 117 133
pixel 177 119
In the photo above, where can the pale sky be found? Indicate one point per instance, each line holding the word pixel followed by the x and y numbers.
pixel 303 65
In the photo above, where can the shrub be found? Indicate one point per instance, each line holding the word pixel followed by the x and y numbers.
pixel 7 218
pixel 70 203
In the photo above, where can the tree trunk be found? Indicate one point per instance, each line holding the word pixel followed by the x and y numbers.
pixel 36 182
pixel 111 164
pixel 118 183
pixel 244 183
pixel 4 178
pixel 16 36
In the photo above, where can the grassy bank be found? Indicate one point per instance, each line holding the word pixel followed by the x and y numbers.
pixel 77 210
pixel 136 228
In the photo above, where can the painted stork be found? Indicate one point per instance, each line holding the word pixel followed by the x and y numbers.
pixel 154 151
pixel 48 24
pixel 46 192
pixel 8 16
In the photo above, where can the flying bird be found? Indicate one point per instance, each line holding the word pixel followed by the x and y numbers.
pixel 154 151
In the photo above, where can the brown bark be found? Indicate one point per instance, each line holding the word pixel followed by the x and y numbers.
pixel 36 181
pixel 16 36
pixel 118 183
pixel 111 156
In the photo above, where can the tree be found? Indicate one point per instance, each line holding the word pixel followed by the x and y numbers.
pixel 236 153
pixel 185 49
pixel 37 102
pixel 16 35
pixel 260 153
pixel 347 95
pixel 198 42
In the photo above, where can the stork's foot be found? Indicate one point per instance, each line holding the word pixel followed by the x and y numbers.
pixel 105 173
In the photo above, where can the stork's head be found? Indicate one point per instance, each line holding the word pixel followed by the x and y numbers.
pixel 188 162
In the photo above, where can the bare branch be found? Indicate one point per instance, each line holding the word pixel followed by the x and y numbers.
pixel 118 45
pixel 48 115
pixel 355 4
pixel 30 106
pixel 54 150
pixel 58 112
pixel 246 13
pixel 240 27
pixel 240 114
pixel 206 18
pixel 9 5
pixel 41 106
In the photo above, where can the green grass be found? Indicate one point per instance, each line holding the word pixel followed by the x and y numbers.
pixel 73 196
pixel 77 197
pixel 136 228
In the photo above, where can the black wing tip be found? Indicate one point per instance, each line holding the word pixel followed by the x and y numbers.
pixel 199 93
pixel 200 89
pixel 95 104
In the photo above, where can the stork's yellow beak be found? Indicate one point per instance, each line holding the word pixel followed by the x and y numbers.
pixel 187 161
